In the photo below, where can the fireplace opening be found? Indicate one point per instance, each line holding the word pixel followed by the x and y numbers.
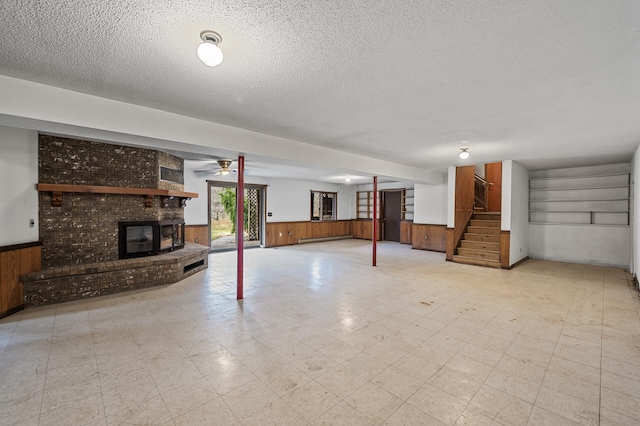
pixel 137 239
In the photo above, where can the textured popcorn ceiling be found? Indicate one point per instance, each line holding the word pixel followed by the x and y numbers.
pixel 549 83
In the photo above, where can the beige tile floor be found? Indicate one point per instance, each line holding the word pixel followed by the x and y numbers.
pixel 324 338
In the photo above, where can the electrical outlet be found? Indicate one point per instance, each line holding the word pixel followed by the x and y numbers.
pixel 197 240
pixel 280 234
pixel 32 223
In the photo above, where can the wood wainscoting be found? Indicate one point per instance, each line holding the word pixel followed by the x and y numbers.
pixel 450 245
pixel 429 237
pixel 505 247
pixel 16 260
pixel 406 230
pixel 361 228
pixel 198 234
pixel 287 233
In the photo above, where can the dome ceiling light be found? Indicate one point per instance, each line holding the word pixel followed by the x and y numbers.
pixel 464 153
pixel 209 52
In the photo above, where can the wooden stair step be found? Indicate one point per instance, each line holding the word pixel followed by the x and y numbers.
pixel 481 245
pixel 487 215
pixel 482 230
pixel 475 261
pixel 483 254
pixel 489 238
pixel 485 223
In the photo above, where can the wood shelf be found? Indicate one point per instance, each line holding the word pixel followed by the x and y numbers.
pixel 598 199
pixel 579 177
pixel 580 189
pixel 165 194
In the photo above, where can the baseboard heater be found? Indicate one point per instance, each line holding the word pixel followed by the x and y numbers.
pixel 193 265
pixel 321 239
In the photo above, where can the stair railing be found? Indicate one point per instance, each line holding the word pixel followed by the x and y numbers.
pixel 481 193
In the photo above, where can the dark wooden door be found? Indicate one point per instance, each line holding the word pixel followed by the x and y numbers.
pixel 493 174
pixel 392 210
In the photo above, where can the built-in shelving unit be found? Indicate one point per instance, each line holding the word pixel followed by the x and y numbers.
pixel 364 204
pixel 407 204
pixel 596 199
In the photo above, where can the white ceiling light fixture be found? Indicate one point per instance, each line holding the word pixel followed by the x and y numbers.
pixel 347 179
pixel 209 52
pixel 464 153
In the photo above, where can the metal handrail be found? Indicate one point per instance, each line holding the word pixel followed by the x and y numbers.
pixel 483 180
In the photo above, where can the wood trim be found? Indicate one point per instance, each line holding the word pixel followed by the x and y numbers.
pixel 505 246
pixel 11 311
pixel 20 246
pixel 429 237
pixel 57 190
pixel 450 246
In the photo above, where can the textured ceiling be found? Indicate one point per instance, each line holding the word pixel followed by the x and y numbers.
pixel 548 83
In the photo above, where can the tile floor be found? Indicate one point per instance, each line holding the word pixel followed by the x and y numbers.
pixel 324 338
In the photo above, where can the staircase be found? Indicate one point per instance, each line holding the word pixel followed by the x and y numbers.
pixel 480 244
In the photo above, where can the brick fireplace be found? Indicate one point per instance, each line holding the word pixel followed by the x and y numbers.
pixel 80 230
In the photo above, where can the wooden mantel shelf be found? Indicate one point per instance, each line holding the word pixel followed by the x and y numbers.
pixel 165 194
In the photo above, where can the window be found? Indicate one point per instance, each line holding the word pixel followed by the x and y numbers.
pixel 323 205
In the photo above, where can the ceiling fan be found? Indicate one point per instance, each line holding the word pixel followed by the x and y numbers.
pixel 224 170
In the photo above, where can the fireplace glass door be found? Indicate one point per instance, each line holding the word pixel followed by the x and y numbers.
pixel 139 239
pixel 166 236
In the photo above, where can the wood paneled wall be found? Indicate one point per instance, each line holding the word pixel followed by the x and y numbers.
pixel 449 232
pixel 505 247
pixel 361 228
pixel 429 237
pixel 197 234
pixel 406 228
pixel 287 233
pixel 465 188
pixel 15 261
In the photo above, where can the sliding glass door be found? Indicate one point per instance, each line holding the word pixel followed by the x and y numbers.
pixel 222 216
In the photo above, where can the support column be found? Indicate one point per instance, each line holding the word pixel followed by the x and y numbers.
pixel 374 231
pixel 240 227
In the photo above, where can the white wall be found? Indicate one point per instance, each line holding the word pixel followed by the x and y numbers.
pixel 592 244
pixel 19 176
pixel 519 212
pixel 290 200
pixel 634 219
pixel 505 197
pixel 430 203
pixel 287 200
pixel 451 197
pixel 385 185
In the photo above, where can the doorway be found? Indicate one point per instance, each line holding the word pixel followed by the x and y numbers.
pixel 392 210
pixel 222 216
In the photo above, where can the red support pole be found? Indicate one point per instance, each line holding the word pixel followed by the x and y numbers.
pixel 374 231
pixel 240 227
